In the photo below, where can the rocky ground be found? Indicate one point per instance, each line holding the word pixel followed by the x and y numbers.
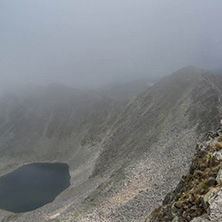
pixel 198 196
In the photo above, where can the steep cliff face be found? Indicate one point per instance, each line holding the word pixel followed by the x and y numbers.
pixel 197 197
pixel 124 156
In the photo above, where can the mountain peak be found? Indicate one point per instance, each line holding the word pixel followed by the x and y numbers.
pixel 191 71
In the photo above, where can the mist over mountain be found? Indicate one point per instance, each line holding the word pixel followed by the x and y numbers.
pixel 94 93
pixel 217 71
pixel 124 154
pixel 125 90
pixel 87 44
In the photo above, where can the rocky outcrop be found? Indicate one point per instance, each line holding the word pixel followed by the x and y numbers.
pixel 198 196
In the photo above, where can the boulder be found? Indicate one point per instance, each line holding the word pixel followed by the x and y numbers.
pixel 217 155
pixel 219 177
pixel 175 219
pixel 207 199
pixel 215 207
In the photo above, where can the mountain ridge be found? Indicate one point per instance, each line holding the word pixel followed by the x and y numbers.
pixel 114 148
pixel 134 119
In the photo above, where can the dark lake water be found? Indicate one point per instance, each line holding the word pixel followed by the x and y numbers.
pixel 32 186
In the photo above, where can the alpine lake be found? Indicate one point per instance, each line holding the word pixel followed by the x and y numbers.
pixel 32 186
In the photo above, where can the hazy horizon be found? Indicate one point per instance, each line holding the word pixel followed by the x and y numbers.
pixel 95 43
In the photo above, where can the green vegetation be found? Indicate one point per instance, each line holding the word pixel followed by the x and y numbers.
pixel 220 139
pixel 218 146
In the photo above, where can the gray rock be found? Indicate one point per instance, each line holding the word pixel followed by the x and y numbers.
pixel 219 176
pixel 200 146
pixel 210 135
pixel 214 199
pixel 207 199
pixel 215 208
pixel 199 219
pixel 217 155
pixel 175 219
pixel 219 132
pixel 193 208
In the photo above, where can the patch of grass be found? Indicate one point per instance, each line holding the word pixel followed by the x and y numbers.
pixel 198 173
pixel 156 212
pixel 220 139
pixel 218 146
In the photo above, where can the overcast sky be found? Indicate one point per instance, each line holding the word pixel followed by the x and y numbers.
pixel 86 43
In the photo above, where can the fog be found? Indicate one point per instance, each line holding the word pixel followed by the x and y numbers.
pixel 91 43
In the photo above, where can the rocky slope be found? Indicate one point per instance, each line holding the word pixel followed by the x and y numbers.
pixel 198 196
pixel 124 156
pixel 152 145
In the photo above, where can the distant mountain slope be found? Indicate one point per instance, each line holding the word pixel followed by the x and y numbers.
pixel 189 97
pixel 54 113
pixel 126 90
pixel 217 71
pixel 158 128
pixel 52 124
pixel 124 156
